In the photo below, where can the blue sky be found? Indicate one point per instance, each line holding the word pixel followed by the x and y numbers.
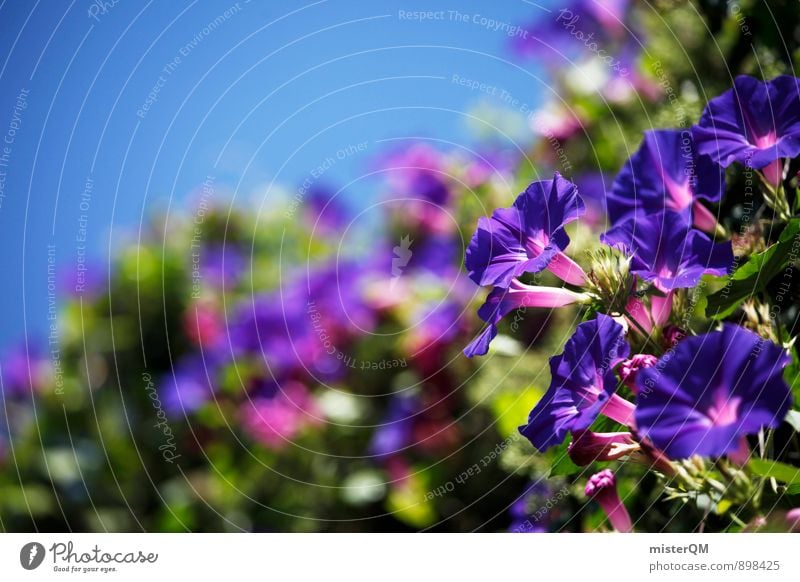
pixel 113 109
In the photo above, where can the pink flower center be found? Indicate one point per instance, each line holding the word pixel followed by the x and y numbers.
pixel 725 410
pixel 766 141
pixel 665 272
pixel 537 243
pixel 680 195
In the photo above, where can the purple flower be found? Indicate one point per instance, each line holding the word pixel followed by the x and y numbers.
pixel 221 265
pixel 420 187
pixel 88 279
pixel 668 252
pixel 576 25
pixel 26 370
pixel 525 517
pixel 710 391
pixel 528 237
pixel 326 210
pixel 418 170
pixel 289 333
pixel 501 302
pixel 754 123
pixel 437 254
pixel 305 327
pixel 395 432
pixel 582 385
pixel 191 384
pixel 434 323
pixel 629 369
pixel 666 174
pixel 338 290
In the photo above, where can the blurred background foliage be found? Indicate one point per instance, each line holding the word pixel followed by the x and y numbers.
pixel 271 369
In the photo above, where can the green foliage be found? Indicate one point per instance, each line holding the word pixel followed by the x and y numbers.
pixel 780 471
pixel 753 277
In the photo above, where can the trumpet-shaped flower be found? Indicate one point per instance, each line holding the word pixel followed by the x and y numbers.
pixel 754 123
pixel 710 391
pixel 582 386
pixel 501 302
pixel 602 487
pixel 665 173
pixel 528 237
pixel 668 252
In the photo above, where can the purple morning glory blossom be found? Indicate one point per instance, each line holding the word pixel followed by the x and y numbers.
pixel 711 391
pixel 668 252
pixel 754 123
pixel 528 237
pixel 582 386
pixel 501 302
pixel 666 174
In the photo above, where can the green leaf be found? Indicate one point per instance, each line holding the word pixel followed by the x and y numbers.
pixel 753 276
pixel 792 376
pixel 562 464
pixel 779 471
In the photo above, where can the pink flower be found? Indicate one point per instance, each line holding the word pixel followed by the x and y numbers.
pixel 588 447
pixel 202 324
pixel 602 487
pixel 277 420
pixel 629 368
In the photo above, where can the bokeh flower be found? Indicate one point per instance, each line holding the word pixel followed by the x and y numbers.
pixel 190 385
pixel 525 516
pixel 275 421
pixel 396 430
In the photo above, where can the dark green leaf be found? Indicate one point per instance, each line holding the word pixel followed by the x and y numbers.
pixel 792 376
pixel 753 276
pixel 779 471
pixel 562 464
